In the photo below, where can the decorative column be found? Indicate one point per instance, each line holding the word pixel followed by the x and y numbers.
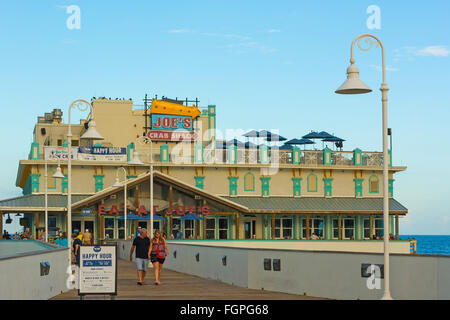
pixel 98 182
pixel 164 153
pixel 358 187
pixel 296 153
pixel 327 159
pixel 199 182
pixel 297 186
pixel 328 186
pixel 391 188
pixel 272 227
pixel 357 159
pixel 233 185
pixel 307 227
pixel 265 186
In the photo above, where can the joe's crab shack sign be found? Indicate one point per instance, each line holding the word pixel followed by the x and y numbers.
pixel 142 211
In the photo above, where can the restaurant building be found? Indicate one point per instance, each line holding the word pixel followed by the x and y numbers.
pixel 211 189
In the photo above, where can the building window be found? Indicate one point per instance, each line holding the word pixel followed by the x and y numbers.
pixel 75 143
pixel 249 182
pixel 189 229
pixel 348 225
pixel 373 184
pixel 315 227
pixel 223 228
pixel 233 185
pixel 335 227
pixel 60 142
pixel 121 228
pixel 366 228
pixel 109 228
pixel 378 226
pixel 210 229
pixel 176 223
pixel 283 228
pixel 312 183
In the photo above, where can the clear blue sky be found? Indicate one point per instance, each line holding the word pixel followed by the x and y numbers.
pixel 265 64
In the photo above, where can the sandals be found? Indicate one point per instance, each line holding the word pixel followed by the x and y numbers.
pixel 139 283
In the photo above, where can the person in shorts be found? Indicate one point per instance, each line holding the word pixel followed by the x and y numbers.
pixel 157 252
pixel 141 244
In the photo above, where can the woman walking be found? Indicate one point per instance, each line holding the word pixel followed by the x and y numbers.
pixel 158 251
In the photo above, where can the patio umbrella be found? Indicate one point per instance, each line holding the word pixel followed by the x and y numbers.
pixel 191 216
pixel 251 134
pixel 313 135
pixel 132 216
pixel 221 145
pixel 250 145
pixel 286 147
pixel 335 139
pixel 235 142
pixel 299 142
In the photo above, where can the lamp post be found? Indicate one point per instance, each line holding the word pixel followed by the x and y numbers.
pixel 117 184
pixel 355 86
pixel 137 161
pixel 90 134
pixel 57 174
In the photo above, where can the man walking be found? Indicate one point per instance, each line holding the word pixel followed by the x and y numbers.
pixel 142 244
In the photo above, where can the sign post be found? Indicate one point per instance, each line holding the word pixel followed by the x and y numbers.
pixel 98 270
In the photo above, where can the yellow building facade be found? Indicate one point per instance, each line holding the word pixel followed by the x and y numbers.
pixel 237 191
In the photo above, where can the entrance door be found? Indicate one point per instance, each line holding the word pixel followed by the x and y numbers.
pixel 250 229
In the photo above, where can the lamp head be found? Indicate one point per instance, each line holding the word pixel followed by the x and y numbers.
pixel 353 85
pixel 135 160
pixel 117 183
pixel 58 173
pixel 92 133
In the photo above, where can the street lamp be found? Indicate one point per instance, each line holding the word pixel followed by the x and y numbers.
pixel 57 174
pixel 118 184
pixel 353 85
pixel 90 134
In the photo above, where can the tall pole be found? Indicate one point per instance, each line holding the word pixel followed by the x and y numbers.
pixel 69 189
pixel 384 89
pixel 151 188
pixel 46 202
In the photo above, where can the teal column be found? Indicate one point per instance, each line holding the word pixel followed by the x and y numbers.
pixel 164 151
pixel 357 157
pixel 130 151
pixel 358 187
pixel 198 153
pixel 34 151
pixel 390 158
pixel 327 159
pixel 199 182
pixel 294 217
pixel 98 182
pixel 264 154
pixel 233 185
pixel 297 186
pixel 217 227
pixel 64 183
pixel 263 221
pixel 328 186
pixel 212 123
pixel 325 227
pixel 265 186
pixel 230 226
pixel 34 182
pixel 300 227
pixel 357 228
pixel 391 187
pixel 296 152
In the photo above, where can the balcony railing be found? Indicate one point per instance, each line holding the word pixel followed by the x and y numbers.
pixel 253 156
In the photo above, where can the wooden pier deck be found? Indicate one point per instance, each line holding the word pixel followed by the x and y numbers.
pixel 179 286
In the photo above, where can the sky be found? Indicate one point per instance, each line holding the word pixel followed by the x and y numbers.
pixel 264 64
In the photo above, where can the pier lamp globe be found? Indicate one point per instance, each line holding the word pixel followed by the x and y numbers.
pixel 135 160
pixel 117 183
pixel 353 85
pixel 92 133
pixel 58 174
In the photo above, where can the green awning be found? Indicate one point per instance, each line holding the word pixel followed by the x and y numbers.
pixel 36 202
pixel 317 205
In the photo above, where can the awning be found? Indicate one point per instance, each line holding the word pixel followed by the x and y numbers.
pixel 316 205
pixel 36 202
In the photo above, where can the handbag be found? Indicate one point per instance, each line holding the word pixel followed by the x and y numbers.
pixel 158 255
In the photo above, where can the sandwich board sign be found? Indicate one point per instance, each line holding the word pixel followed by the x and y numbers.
pixel 98 270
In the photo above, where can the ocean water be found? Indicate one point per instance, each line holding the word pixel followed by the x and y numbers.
pixel 430 244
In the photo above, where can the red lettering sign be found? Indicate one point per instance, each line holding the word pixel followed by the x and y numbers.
pixel 101 209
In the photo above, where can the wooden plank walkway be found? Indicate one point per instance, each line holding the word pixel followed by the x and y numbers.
pixel 179 286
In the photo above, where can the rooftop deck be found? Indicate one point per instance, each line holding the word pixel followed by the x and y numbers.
pixel 179 286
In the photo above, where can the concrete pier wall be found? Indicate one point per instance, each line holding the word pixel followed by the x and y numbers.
pixel 327 274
